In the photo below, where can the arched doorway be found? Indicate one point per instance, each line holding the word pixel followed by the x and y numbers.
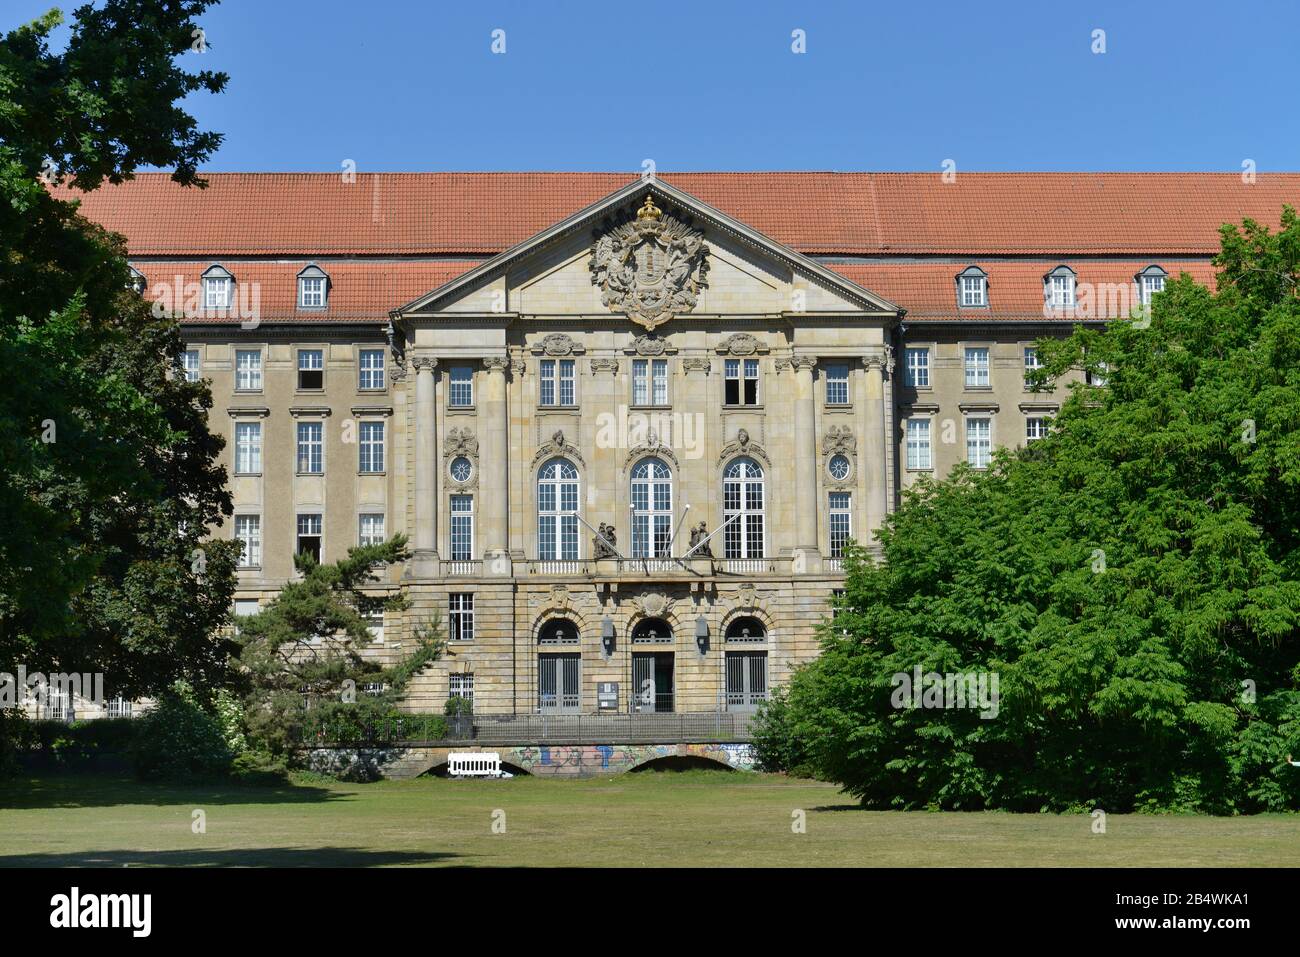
pixel 559 683
pixel 746 677
pixel 652 671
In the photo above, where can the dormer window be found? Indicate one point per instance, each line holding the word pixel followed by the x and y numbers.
pixel 313 288
pixel 1150 281
pixel 1058 287
pixel 137 280
pixel 217 285
pixel 972 288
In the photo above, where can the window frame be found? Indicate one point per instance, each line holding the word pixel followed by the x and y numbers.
pixel 453 383
pixel 838 538
pixel 649 543
pixel 317 443
pixel 196 373
pixel 556 515
pixel 847 401
pixel 557 380
pixel 363 443
pixel 741 532
pixel 364 538
pixel 988 458
pixel 305 353
pixel 362 370
pixel 928 422
pixel 653 400
pixel 254 461
pixel 460 616
pixel 251 548
pixel 967 368
pixel 258 367
pixel 976 275
pixel 463 517
pixel 743 365
pixel 910 368
pixel 319 535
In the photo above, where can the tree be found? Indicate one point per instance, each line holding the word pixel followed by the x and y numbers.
pixel 1132 580
pixel 304 654
pixel 110 476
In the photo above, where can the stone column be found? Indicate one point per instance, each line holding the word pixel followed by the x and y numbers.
pixel 876 436
pixel 805 469
pixel 494 518
pixel 425 544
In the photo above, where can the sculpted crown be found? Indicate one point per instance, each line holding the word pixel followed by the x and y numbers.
pixel 649 210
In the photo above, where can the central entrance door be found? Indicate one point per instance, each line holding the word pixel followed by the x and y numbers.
pixel 652 681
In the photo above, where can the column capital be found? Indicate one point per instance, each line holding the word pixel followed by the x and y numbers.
pixel 424 363
pixel 496 363
pixel 801 362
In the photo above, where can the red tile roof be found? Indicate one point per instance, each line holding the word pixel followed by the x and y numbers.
pixel 318 214
pixel 915 231
pixel 359 289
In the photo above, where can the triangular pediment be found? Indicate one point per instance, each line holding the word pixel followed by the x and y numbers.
pixel 651 252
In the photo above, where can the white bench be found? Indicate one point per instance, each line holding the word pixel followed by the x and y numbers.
pixel 475 764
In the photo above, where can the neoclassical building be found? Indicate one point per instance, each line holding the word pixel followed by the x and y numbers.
pixel 629 424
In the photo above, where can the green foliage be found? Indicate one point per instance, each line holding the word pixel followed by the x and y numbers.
pixel 457 706
pixel 1133 580
pixel 180 739
pixel 105 449
pixel 304 655
pixel 778 746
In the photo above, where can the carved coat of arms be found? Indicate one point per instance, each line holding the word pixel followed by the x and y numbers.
pixel 651 268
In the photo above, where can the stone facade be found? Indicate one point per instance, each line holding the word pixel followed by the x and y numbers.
pixel 595 355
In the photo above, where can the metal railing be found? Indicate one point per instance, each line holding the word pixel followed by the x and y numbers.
pixel 505 729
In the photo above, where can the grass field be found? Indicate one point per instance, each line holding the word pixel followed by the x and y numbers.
pixel 698 818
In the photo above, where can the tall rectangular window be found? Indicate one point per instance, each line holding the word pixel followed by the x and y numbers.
pixel 311 369
pixel 1032 362
pixel 918 444
pixel 371 376
pixel 1036 428
pixel 460 684
pixel 557 382
pixel 918 368
pixel 460 616
pixel 649 381
pixel 371 447
pixel 311 444
pixel 979 444
pixel 977 367
pixel 841 524
pixel 248 370
pixel 248 448
pixel 371 529
pixel 190 362
pixel 248 531
pixel 740 382
pixel 1150 286
pixel 310 533
pixel 462 528
pixel 461 393
pixel 837 384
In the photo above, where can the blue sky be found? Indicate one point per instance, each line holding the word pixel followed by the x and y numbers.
pixel 713 84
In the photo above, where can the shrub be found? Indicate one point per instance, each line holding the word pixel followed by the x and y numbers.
pixel 457 706
pixel 179 739
pixel 777 743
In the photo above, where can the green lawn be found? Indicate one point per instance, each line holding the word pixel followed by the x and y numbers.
pixel 699 818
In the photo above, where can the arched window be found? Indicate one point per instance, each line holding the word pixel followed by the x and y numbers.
pixel 746 628
pixel 652 509
pixel 742 495
pixel 652 631
pixel 558 631
pixel 557 511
